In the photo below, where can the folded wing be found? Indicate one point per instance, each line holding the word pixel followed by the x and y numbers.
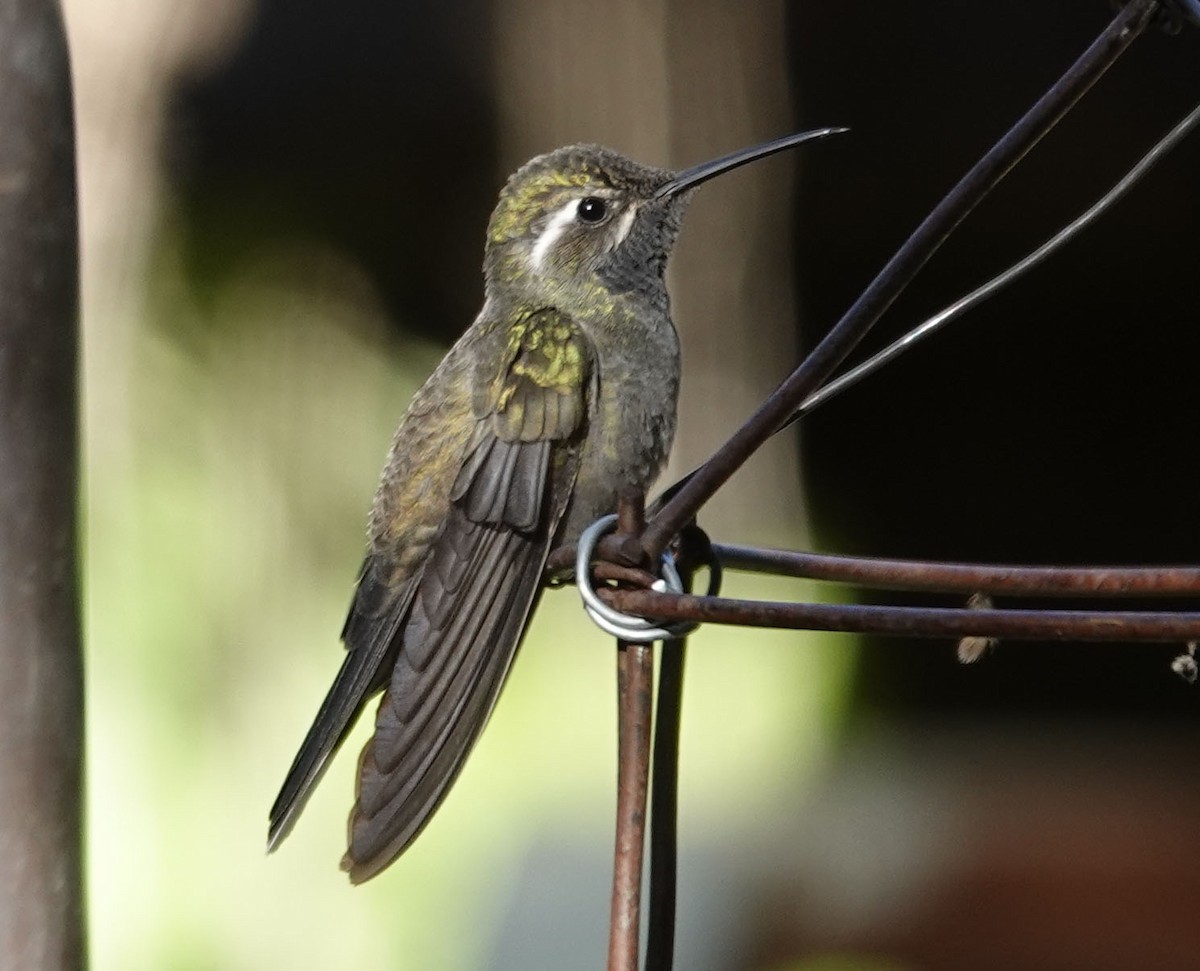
pixel 477 585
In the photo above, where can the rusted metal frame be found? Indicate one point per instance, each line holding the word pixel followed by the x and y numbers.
pixel 41 666
pixel 816 368
pixel 966 578
pixel 1014 624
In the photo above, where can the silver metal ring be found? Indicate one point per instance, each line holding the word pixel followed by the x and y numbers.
pixel 627 627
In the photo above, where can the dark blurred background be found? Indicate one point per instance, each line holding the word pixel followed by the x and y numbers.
pixel 284 206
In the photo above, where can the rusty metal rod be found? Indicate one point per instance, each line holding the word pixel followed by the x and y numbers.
pixel 635 713
pixel 1076 625
pixel 635 681
pixel 935 576
pixel 664 806
pixel 816 368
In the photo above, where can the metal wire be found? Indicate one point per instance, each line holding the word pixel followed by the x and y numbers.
pixel 997 283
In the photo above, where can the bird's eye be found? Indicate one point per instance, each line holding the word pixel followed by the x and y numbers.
pixel 592 210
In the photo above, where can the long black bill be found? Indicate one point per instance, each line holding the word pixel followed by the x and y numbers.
pixel 690 178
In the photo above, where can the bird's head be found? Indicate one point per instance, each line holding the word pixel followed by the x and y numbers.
pixel 584 225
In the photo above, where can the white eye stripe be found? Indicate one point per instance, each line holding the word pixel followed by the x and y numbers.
pixel 558 223
pixel 550 235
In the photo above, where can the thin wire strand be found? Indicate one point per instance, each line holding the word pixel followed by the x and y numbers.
pixel 977 296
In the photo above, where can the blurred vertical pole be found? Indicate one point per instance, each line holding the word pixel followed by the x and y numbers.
pixel 41 676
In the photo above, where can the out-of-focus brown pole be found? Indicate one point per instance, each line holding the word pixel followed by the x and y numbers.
pixel 41 677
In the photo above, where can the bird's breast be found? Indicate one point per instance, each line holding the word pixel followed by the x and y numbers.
pixel 631 426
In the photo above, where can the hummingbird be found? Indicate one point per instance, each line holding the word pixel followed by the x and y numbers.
pixel 561 393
